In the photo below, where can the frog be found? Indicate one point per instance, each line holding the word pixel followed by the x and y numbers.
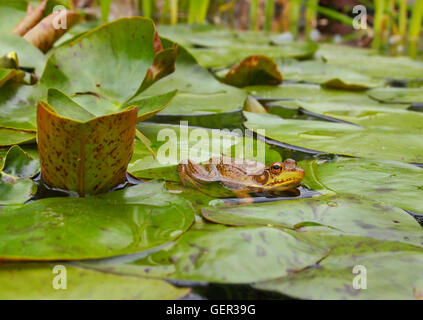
pixel 242 176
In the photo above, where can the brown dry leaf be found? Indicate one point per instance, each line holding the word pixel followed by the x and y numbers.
pixel 51 28
pixel 30 20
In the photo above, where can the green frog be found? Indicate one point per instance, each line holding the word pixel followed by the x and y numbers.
pixel 242 176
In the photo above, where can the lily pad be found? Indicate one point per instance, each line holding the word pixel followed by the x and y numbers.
pixel 253 70
pixel 11 12
pixel 231 53
pixel 377 261
pixel 344 213
pixel 172 144
pixel 116 223
pixel 328 75
pixel 221 254
pixel 35 282
pixel 377 141
pixel 199 93
pixel 397 95
pixel 392 182
pixel 9 137
pixel 126 47
pixel 375 66
pixel 18 167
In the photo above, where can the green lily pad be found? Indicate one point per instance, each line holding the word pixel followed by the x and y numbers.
pixel 328 75
pixel 397 95
pixel 126 47
pixel 18 167
pixel 172 144
pixel 11 12
pixel 199 93
pixel 221 254
pixel 253 70
pixel 344 213
pixel 29 56
pixel 120 222
pixel 392 182
pixel 231 53
pixel 375 66
pixel 9 137
pixel 401 142
pixel 333 277
pixel 35 282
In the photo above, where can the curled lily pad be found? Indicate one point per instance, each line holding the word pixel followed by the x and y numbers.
pixel 126 47
pixel 18 167
pixel 392 182
pixel 88 156
pixel 115 223
pixel 32 17
pixel 222 254
pixel 377 140
pixel 253 70
pixel 36 281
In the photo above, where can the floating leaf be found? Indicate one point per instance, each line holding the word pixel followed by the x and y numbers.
pixel 378 141
pixel 397 95
pixel 221 254
pixel 9 137
pixel 253 70
pixel 328 75
pixel 16 187
pixel 376 66
pixel 35 282
pixel 172 144
pixel 392 182
pixel 115 223
pixel 344 213
pixel 378 261
pixel 199 93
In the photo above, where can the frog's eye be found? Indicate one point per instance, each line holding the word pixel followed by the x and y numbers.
pixel 276 168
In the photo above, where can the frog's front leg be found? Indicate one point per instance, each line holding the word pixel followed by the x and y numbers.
pixel 193 172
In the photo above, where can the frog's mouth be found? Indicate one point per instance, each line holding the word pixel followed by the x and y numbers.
pixel 290 180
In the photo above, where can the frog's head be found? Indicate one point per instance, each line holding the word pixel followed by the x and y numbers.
pixel 281 176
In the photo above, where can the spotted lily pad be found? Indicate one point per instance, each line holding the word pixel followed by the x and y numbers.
pixel 36 282
pixel 221 254
pixel 120 222
pixel 18 167
pixel 378 140
pixel 344 213
pixel 357 268
pixel 9 137
pixel 392 182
